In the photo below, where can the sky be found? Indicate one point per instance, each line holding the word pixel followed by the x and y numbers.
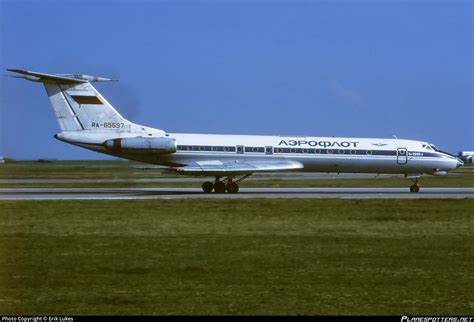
pixel 307 68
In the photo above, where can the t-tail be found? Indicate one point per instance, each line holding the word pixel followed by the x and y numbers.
pixel 87 119
pixel 77 104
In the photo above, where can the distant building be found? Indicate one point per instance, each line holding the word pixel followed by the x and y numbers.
pixel 2 160
pixel 466 156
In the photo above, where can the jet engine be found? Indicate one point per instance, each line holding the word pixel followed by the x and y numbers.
pixel 142 145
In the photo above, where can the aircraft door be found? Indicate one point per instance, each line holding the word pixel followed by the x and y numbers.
pixel 402 156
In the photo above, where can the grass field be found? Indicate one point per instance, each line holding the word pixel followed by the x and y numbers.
pixel 86 169
pixel 462 177
pixel 402 257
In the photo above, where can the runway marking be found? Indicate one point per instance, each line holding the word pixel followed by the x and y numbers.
pixel 185 193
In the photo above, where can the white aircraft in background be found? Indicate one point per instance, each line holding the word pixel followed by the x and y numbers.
pixel 87 120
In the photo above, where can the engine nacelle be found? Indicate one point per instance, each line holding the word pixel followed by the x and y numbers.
pixel 142 145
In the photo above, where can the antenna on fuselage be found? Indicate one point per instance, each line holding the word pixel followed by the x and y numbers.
pixel 394 136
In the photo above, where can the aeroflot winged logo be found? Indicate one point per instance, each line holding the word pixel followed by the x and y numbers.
pixel 379 144
pixel 343 144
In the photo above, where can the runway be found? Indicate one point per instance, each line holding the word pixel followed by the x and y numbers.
pixel 255 177
pixel 245 193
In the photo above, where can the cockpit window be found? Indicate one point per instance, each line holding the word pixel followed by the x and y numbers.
pixel 432 147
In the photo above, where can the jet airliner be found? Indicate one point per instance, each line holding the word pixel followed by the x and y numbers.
pixel 88 120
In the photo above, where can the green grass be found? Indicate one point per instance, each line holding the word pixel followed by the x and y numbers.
pixel 462 177
pixel 401 257
pixel 86 169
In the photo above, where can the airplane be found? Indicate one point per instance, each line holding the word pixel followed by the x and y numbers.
pixel 88 120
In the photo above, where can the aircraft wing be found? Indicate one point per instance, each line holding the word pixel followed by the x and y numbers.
pixel 219 168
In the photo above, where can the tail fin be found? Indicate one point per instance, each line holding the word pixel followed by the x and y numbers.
pixel 77 104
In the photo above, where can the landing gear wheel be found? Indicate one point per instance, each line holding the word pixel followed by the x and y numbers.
pixel 414 188
pixel 219 187
pixel 232 187
pixel 207 187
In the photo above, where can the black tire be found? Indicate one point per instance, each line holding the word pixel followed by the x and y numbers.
pixel 219 187
pixel 414 188
pixel 232 187
pixel 207 187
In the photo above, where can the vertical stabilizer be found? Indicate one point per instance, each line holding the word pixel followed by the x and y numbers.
pixel 81 107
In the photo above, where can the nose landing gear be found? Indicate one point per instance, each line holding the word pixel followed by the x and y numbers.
pixel 414 187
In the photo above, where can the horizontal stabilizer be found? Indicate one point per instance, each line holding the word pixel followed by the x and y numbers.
pixel 59 78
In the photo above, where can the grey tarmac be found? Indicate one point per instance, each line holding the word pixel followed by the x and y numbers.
pixel 185 193
pixel 254 177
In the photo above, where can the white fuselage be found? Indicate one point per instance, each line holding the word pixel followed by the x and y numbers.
pixel 317 154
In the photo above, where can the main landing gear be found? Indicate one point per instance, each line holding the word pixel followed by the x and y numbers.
pixel 222 186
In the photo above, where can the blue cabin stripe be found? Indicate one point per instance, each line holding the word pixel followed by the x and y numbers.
pixel 304 151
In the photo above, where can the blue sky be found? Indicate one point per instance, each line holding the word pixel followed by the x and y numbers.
pixel 319 68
